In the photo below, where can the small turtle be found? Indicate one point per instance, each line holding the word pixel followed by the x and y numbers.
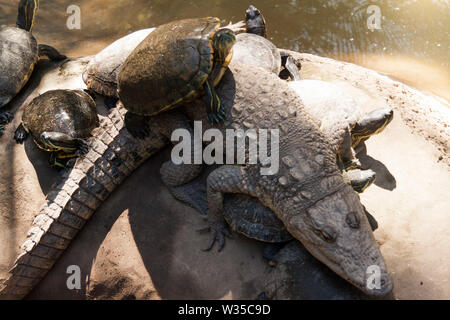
pixel 254 49
pixel 59 121
pixel 19 54
pixel 101 73
pixel 171 66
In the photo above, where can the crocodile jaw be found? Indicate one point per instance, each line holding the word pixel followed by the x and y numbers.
pixel 352 252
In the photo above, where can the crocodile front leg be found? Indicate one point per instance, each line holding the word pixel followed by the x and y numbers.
pixel 226 179
pixel 178 177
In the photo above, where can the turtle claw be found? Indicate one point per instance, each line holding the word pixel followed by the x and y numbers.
pixel 83 148
pixel 20 135
pixel 70 163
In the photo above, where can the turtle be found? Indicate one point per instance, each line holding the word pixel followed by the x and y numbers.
pixel 174 64
pixel 60 122
pixel 100 75
pixel 101 72
pixel 254 50
pixel 19 54
pixel 335 109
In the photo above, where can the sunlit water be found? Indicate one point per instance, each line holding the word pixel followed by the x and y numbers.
pixel 412 45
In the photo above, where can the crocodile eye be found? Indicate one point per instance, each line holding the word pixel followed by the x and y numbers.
pixel 328 234
pixel 352 220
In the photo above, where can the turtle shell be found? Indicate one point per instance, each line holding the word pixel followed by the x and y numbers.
pixel 101 73
pixel 72 112
pixel 328 102
pixel 257 51
pixel 18 56
pixel 168 66
pixel 247 215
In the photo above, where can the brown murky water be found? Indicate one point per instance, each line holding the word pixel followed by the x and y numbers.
pixel 411 44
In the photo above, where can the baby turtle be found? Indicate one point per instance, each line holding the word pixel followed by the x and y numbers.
pixel 19 54
pixel 172 65
pixel 59 122
pixel 101 73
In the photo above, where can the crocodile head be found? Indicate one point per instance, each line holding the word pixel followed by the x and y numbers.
pixel 336 231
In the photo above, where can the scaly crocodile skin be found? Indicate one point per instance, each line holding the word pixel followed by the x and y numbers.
pixel 113 155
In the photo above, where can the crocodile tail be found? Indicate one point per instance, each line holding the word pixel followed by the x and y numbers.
pixel 113 155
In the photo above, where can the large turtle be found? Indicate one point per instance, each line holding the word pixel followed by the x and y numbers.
pixel 174 64
pixel 59 122
pixel 19 54
pixel 101 72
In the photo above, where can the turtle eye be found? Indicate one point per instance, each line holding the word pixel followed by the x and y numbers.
pixel 328 234
pixel 352 220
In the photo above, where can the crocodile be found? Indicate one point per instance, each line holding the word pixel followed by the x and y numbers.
pixel 308 193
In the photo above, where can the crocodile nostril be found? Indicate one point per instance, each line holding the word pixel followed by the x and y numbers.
pixel 352 220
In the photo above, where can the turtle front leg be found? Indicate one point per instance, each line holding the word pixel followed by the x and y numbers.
pixel 20 135
pixel 360 180
pixel 226 179
pixel 213 105
pixel 56 160
pixel 50 52
pixel 178 178
pixel 83 147
pixel 291 67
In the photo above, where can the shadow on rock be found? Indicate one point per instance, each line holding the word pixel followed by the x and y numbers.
pixel 384 179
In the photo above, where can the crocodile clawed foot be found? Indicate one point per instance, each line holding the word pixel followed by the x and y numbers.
pixel 219 231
